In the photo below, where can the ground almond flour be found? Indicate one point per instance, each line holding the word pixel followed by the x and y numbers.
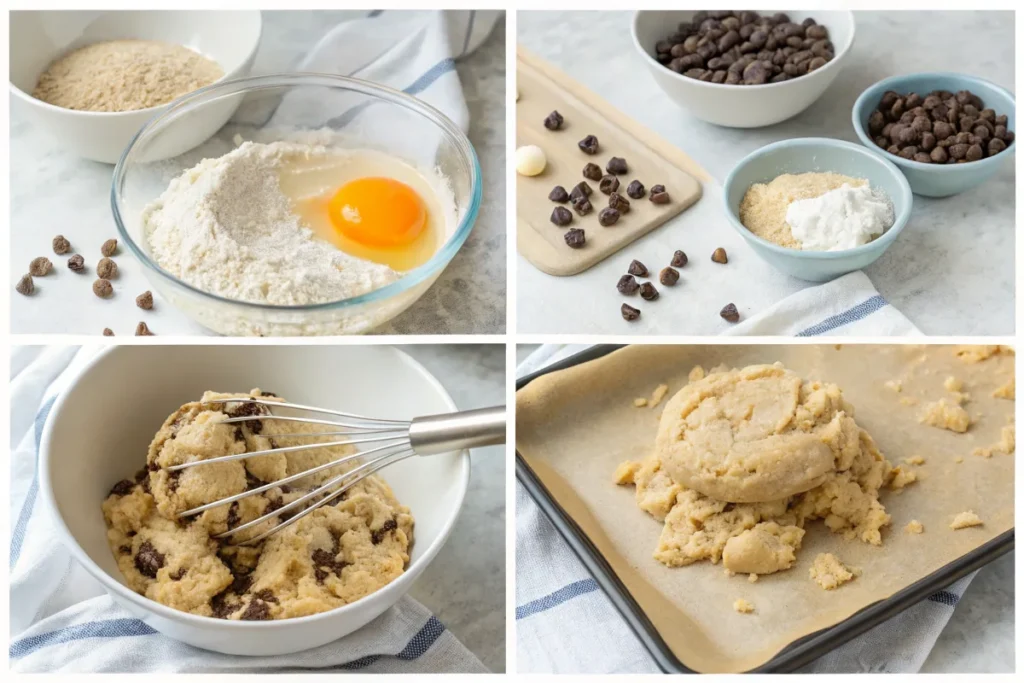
pixel 124 75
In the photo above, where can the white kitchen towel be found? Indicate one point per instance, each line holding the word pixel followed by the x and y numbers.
pixel 62 620
pixel 566 624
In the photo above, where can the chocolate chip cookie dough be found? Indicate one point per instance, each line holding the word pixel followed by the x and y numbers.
pixel 339 553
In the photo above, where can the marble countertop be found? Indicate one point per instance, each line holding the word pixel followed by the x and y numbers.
pixel 950 272
pixel 465 584
pixel 54 192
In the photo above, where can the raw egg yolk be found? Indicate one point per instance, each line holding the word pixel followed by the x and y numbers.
pixel 378 212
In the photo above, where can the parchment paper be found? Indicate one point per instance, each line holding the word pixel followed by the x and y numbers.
pixel 574 426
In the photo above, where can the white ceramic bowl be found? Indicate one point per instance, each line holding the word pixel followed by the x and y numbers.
pixel 38 38
pixel 96 435
pixel 742 106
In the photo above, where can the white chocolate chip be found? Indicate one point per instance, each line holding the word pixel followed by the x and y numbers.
pixel 530 160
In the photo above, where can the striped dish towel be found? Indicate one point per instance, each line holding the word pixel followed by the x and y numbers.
pixel 566 624
pixel 61 619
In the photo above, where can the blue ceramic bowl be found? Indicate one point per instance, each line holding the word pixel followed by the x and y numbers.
pixel 818 155
pixel 938 180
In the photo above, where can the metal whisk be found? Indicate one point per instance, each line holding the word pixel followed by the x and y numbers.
pixel 387 442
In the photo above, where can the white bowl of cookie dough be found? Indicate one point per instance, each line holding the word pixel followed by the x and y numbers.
pixel 37 38
pixel 742 106
pixel 95 436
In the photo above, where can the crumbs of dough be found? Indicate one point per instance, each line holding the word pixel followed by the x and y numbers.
pixel 659 393
pixel 829 573
pixel 953 384
pixel 697 374
pixel 752 578
pixel 1008 390
pixel 914 460
pixel 625 471
pixel 909 400
pixel 958 459
pixel 639 402
pixel 900 478
pixel 945 414
pixel 894 384
pixel 965 520
pixel 742 606
pixel 979 352
pixel 914 527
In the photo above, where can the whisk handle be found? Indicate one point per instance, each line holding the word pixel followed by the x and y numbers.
pixel 456 431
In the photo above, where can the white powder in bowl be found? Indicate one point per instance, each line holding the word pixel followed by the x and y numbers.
pixel 843 218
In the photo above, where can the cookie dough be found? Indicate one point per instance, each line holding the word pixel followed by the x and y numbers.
pixel 965 520
pixel 829 573
pixel 742 606
pixel 946 414
pixel 339 553
pixel 914 527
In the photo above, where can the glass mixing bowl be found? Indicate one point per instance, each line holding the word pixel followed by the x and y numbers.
pixel 354 114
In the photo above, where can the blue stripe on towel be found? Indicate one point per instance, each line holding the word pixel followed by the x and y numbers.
pixel 18 535
pixel 945 597
pixel 423 82
pixel 111 628
pixel 418 646
pixel 564 594
pixel 858 312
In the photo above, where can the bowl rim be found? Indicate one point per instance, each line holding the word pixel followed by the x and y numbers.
pixel 147 111
pixel 241 86
pixel 862 101
pixel 112 585
pixel 900 218
pixel 831 65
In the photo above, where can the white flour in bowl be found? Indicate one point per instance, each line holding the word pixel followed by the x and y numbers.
pixel 226 227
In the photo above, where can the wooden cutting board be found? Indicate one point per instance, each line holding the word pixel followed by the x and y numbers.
pixel 653 161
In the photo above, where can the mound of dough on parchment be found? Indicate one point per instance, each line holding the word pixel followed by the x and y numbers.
pixel 745 458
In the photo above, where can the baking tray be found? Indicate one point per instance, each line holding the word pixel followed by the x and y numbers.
pixel 797 653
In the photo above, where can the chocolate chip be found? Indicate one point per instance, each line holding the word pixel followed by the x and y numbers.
pixel 582 190
pixel 109 247
pixel 589 144
pixel 172 480
pixel 659 197
pixel 377 536
pixel 250 410
pixel 40 266
pixel 617 166
pixel 636 189
pixel 629 313
pixel 60 245
pixel 107 332
pixel 608 217
pixel 142 330
pixel 618 202
pixel 592 171
pixel 148 560
pixel 637 268
pixel 553 121
pixel 679 259
pixel 106 268
pixel 145 300
pixel 730 313
pixel 325 563
pixel 627 285
pixel 102 288
pixel 582 206
pixel 720 256
pixel 122 488
pixel 179 574
pixel 558 194
pixel 266 595
pixel 668 276
pixel 76 263
pixel 575 238
pixel 25 285
pixel 561 216
pixel 256 611
pixel 648 291
pixel 608 184
pixel 241 584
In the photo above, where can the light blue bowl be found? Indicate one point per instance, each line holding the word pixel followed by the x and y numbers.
pixel 938 180
pixel 818 155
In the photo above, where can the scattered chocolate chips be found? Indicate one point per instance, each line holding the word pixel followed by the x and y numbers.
pixel 629 313
pixel 148 560
pixel 575 238
pixel 679 259
pixel 61 245
pixel 25 285
pixel 553 121
pixel 582 190
pixel 608 184
pixel 102 288
pixel 592 171
pixel 636 189
pixel 109 247
pixel 40 266
pixel 561 216
pixel 627 285
pixel 558 194
pixel 142 330
pixel 325 562
pixel 617 166
pixel 730 313
pixel 122 488
pixel 659 195
pixel 107 332
pixel 589 144
pixel 648 291
pixel 145 300
pixel 106 268
pixel 379 534
pixel 608 217
pixel 76 263
pixel 719 256
pixel 618 202
pixel 582 206
pixel 668 276
pixel 637 268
